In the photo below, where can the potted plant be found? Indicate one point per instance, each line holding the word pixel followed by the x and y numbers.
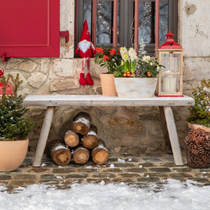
pixel 200 112
pixel 197 142
pixel 111 59
pixel 137 75
pixel 14 127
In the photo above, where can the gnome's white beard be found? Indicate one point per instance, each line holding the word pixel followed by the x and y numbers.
pixel 84 46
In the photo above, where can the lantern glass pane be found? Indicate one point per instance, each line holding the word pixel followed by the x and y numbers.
pixel 177 77
pixel 165 61
pixel 170 83
pixel 176 62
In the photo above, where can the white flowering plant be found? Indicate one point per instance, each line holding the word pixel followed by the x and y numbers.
pixel 147 66
pixel 128 62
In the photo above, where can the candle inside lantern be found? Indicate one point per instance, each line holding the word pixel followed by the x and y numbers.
pixel 167 84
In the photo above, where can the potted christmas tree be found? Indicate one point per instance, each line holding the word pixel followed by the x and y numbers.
pixel 14 127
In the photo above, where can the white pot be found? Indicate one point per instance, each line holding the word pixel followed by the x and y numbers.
pixel 135 87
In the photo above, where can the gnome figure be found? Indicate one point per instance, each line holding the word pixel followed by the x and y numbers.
pixel 85 49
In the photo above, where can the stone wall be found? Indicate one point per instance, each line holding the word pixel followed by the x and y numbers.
pixel 124 129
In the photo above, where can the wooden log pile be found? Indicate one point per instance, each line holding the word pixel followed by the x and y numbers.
pixel 81 143
pixel 197 145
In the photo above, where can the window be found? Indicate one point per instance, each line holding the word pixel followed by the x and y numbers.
pixel 125 21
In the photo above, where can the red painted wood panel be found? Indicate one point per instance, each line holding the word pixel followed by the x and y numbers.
pixel 94 17
pixel 30 28
pixel 115 23
pixel 157 24
pixel 136 30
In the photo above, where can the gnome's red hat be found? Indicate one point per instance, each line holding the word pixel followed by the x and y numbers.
pixel 85 32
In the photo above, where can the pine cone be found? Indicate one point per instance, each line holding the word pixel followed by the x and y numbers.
pixel 138 72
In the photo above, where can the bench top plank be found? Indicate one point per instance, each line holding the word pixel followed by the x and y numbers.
pixel 99 100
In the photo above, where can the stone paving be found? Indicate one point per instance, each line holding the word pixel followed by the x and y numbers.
pixel 131 169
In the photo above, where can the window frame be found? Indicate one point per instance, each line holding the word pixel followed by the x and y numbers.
pixel 125 7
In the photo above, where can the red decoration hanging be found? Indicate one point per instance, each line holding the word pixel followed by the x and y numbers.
pixel 9 89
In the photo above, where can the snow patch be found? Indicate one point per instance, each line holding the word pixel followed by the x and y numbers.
pixel 60 146
pixel 172 195
pixel 120 160
pixel 112 165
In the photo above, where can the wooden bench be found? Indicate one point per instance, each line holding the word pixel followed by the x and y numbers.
pixel 164 104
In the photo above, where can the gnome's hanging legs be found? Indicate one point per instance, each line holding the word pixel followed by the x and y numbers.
pixel 82 80
pixel 89 80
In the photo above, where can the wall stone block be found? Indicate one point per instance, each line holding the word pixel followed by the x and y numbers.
pixel 194 27
pixel 121 125
pixel 150 116
pixel 97 90
pixel 37 79
pixel 187 87
pixel 67 84
pixel 196 68
pixel 21 64
pixel 64 67
pixel 45 65
pixel 2 64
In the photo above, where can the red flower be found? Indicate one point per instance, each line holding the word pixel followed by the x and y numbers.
pixel 99 50
pixel 112 51
pixel 106 58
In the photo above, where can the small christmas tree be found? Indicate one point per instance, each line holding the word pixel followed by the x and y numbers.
pixel 200 112
pixel 142 52
pixel 146 66
pixel 13 124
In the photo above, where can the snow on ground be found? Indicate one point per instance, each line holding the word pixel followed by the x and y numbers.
pixel 172 196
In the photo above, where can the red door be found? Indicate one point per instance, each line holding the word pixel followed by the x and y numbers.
pixel 30 28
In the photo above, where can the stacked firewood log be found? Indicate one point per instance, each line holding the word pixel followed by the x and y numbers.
pixel 197 145
pixel 80 143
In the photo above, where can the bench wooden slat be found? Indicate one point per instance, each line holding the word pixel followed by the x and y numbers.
pixel 43 136
pixel 98 100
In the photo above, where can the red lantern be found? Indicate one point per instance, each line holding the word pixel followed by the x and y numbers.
pixel 9 89
pixel 170 81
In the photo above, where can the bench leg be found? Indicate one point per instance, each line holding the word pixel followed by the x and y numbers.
pixel 43 136
pixel 165 131
pixel 173 136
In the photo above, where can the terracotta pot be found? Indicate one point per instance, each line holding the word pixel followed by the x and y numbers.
pixel 12 154
pixel 107 85
pixel 135 87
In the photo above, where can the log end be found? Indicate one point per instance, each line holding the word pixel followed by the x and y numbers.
pixel 100 156
pixel 71 139
pixel 80 128
pixel 81 156
pixel 62 157
pixel 90 142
